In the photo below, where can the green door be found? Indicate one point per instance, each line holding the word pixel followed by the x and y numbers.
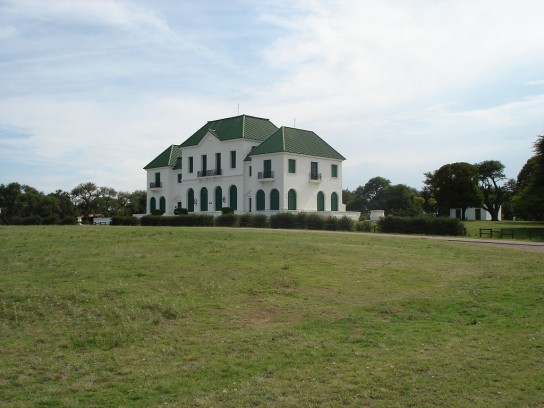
pixel 233 197
pixel 334 202
pixel 291 200
pixel 203 199
pixel 260 200
pixel 190 200
pixel 274 200
pixel 218 198
pixel 152 204
pixel 320 201
pixel 268 169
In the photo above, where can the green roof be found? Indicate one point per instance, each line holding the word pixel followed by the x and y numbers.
pixel 237 127
pixel 166 158
pixel 291 140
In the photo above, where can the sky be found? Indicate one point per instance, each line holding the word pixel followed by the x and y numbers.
pixel 93 90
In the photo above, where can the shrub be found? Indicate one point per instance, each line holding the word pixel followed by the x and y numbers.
pixel 345 223
pixel 259 221
pixel 365 226
pixel 181 211
pixel 331 223
pixel 124 220
pixel 68 220
pixel 227 210
pixel 226 220
pixel 51 219
pixel 421 225
pixel 32 220
pixel 282 220
pixel 157 212
pixel 190 220
pixel 314 221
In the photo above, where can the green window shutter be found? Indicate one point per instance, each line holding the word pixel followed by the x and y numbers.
pixel 233 159
pixel 152 204
pixel 260 200
pixel 292 166
pixel 249 171
pixel 334 202
pixel 204 164
pixel 291 200
pixel 203 199
pixel 190 200
pixel 191 164
pixel 157 179
pixel 162 204
pixel 218 198
pixel 334 170
pixel 233 197
pixel 274 199
pixel 320 201
pixel 179 177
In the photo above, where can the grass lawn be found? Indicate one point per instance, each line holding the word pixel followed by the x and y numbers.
pixel 521 229
pixel 207 317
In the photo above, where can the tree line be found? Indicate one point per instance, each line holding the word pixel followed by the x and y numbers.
pixel 22 204
pixel 460 185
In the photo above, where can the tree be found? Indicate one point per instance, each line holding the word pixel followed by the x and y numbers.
pixel 365 196
pixel 9 195
pixel 528 201
pixel 490 173
pixel 455 185
pixel 397 199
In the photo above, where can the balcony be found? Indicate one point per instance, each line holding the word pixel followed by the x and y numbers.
pixel 315 176
pixel 209 173
pixel 155 184
pixel 265 175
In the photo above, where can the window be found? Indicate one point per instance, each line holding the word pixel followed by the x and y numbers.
pixel 179 204
pixel 178 163
pixel 320 201
pixel 203 199
pixel 249 171
pixel 268 169
pixel 314 174
pixel 204 164
pixel 162 204
pixel 152 204
pixel 291 200
pixel 334 170
pixel 218 198
pixel 334 202
pixel 274 199
pixel 233 197
pixel 292 166
pixel 233 159
pixel 190 200
pixel 190 164
pixel 260 200
pixel 218 163
pixel 179 177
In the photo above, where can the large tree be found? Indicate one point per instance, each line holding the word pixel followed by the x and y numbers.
pixel 528 201
pixel 490 174
pixel 455 185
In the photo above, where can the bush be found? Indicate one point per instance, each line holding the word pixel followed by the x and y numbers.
pixel 314 221
pixel 331 223
pixel 226 220
pixel 190 220
pixel 365 226
pixel 345 223
pixel 259 221
pixel 227 210
pixel 282 220
pixel 68 220
pixel 421 225
pixel 124 220
pixel 157 212
pixel 32 220
pixel 52 219
pixel 181 211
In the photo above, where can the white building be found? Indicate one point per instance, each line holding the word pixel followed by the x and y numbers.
pixel 473 214
pixel 248 164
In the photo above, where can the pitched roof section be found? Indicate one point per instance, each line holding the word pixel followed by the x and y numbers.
pixel 237 127
pixel 166 158
pixel 291 140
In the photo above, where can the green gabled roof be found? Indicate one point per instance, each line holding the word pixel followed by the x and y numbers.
pixel 291 140
pixel 237 127
pixel 166 158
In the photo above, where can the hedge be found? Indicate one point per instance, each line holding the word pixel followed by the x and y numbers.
pixel 124 220
pixel 421 225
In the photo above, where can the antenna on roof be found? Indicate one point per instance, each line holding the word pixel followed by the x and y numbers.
pixel 294 122
pixel 238 108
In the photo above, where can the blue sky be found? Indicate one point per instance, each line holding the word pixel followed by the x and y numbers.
pixel 93 90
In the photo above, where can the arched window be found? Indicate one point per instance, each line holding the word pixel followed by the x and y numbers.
pixel 320 201
pixel 334 202
pixel 152 204
pixel 275 200
pixel 260 200
pixel 233 197
pixel 218 198
pixel 203 199
pixel 162 204
pixel 292 200
pixel 190 200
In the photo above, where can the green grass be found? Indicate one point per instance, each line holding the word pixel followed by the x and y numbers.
pixel 521 228
pixel 206 317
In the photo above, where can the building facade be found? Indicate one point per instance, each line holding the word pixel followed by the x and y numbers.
pixel 248 164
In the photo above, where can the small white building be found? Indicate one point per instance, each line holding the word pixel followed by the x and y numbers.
pixel 248 164
pixel 473 214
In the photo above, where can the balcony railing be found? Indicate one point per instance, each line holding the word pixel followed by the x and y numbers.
pixel 315 176
pixel 209 173
pixel 265 175
pixel 155 184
